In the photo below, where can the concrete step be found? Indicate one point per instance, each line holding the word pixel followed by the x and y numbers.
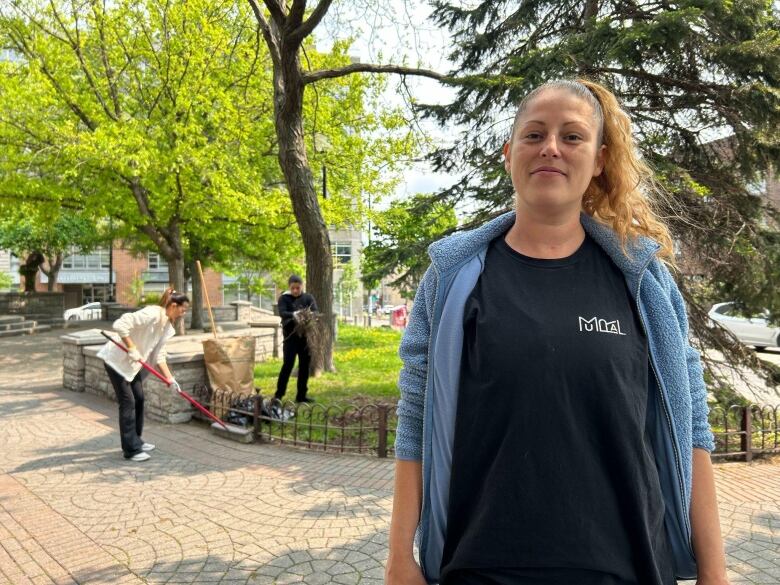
pixel 28 329
pixel 16 325
pixel 16 332
pixel 5 319
pixel 53 321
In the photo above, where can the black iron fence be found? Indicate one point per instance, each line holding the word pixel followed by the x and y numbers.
pixel 742 432
pixel 345 428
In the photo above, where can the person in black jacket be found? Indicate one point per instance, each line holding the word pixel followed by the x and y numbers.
pixel 294 344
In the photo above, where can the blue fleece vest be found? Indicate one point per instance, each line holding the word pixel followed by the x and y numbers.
pixel 431 353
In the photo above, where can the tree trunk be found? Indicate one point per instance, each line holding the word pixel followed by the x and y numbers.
pixel 288 114
pixel 29 270
pixel 197 298
pixel 53 272
pixel 176 278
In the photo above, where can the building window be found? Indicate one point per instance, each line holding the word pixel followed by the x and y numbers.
pixel 342 252
pixel 94 261
pixel 157 262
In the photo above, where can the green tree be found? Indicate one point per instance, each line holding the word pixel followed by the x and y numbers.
pixel 400 240
pixel 48 240
pixel 286 28
pixel 347 285
pixel 143 109
pixel 5 281
pixel 687 73
pixel 160 115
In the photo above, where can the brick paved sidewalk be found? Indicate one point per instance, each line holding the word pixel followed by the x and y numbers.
pixel 203 510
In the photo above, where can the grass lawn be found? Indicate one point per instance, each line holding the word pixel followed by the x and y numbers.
pixel 367 366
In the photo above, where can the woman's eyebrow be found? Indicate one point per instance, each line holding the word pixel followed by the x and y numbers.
pixel 580 122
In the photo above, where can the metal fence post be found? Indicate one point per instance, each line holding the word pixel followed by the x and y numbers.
pixel 382 432
pixel 257 408
pixel 747 433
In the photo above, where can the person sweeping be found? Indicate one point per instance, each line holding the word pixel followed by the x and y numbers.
pixel 144 333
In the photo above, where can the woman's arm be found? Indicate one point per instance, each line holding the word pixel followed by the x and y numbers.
pixel 164 370
pixel 705 524
pixel 401 568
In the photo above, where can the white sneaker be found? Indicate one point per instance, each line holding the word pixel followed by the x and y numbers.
pixel 147 447
pixel 142 456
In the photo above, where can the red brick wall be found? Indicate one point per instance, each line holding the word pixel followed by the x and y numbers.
pixel 128 267
pixel 213 287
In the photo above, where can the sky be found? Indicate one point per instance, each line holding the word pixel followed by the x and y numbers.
pixel 416 41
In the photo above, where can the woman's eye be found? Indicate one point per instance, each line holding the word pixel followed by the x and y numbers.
pixel 533 135
pixel 573 137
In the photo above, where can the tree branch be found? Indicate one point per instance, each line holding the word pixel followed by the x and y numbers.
pixel 276 9
pixel 304 29
pixel 112 89
pixel 661 79
pixel 370 68
pixel 19 43
pixel 295 16
pixel 75 44
pixel 38 199
pixel 270 39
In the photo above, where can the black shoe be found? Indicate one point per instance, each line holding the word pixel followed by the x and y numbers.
pixel 305 399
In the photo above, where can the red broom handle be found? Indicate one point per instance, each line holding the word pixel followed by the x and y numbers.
pixel 167 382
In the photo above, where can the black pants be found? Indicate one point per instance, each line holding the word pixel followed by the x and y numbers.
pixel 294 346
pixel 130 396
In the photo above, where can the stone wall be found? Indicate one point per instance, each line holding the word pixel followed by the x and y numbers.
pixel 161 403
pixel 113 311
pixel 38 303
pixel 73 356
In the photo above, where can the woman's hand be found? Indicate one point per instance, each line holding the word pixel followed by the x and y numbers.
pixel 404 571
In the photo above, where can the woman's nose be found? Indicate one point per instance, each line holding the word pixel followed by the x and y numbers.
pixel 550 147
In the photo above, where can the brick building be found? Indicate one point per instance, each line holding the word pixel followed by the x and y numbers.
pixel 84 278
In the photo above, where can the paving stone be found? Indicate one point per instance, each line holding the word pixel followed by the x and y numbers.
pixel 204 510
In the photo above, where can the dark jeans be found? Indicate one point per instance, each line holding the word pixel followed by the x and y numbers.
pixel 130 396
pixel 294 346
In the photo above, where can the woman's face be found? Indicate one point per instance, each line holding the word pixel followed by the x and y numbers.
pixel 554 152
pixel 175 311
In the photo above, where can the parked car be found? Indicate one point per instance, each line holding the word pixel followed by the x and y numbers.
pixel 754 330
pixel 84 312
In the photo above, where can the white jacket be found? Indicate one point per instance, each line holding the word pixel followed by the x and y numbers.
pixel 149 328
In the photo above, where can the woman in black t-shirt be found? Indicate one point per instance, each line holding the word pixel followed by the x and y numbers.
pixel 553 476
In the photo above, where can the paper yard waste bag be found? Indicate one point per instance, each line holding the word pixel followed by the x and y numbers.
pixel 230 364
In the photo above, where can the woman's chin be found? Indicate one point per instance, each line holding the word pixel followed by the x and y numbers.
pixel 549 203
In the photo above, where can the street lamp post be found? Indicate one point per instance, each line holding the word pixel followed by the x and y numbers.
pixel 111 260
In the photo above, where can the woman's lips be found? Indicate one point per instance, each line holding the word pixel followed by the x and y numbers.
pixel 548 173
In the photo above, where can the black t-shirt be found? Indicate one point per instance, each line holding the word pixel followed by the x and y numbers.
pixel 553 475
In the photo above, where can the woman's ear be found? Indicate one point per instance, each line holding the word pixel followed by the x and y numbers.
pixel 507 150
pixel 601 157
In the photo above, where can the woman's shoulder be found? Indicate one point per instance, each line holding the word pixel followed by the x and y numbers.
pixel 151 313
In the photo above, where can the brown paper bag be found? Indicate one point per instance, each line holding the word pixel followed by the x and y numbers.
pixel 230 364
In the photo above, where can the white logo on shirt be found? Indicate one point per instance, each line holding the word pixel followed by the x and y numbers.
pixel 600 325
